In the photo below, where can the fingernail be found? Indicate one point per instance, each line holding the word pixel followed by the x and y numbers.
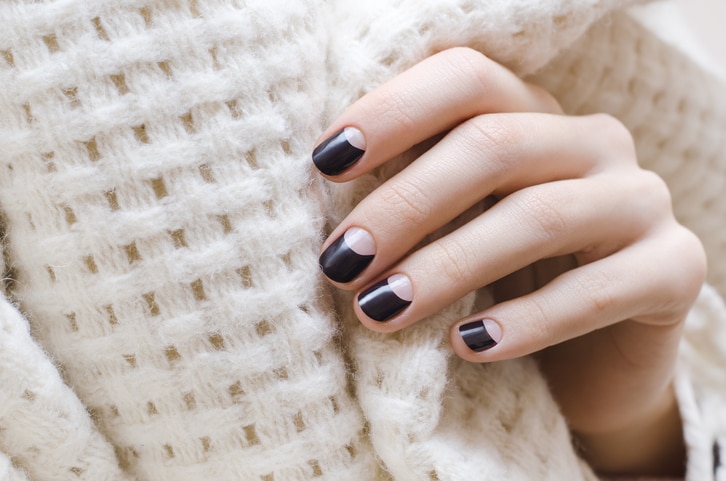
pixel 345 258
pixel 339 151
pixel 481 335
pixel 387 298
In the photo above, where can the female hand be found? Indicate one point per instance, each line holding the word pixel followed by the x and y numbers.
pixel 590 269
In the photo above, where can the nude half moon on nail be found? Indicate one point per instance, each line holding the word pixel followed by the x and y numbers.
pixel 348 256
pixel 387 298
pixel 481 335
pixel 340 151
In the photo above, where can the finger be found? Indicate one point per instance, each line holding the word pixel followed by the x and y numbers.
pixel 653 281
pixel 526 280
pixel 431 97
pixel 495 153
pixel 531 224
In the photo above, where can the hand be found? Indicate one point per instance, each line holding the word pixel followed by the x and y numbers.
pixel 589 268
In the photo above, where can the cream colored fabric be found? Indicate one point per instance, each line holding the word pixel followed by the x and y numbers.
pixel 162 224
pixel 9 472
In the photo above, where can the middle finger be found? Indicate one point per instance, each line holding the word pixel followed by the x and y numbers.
pixel 490 154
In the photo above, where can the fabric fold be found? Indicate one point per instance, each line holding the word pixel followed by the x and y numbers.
pixel 44 427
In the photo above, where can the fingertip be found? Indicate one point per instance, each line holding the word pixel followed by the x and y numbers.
pixel 384 305
pixel 384 327
pixel 348 256
pixel 387 298
pixel 339 152
pixel 470 339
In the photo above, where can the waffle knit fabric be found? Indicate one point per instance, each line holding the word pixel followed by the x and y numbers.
pixel 164 317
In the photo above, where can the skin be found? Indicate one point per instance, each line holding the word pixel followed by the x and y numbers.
pixel 591 272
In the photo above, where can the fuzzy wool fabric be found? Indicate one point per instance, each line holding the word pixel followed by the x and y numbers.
pixel 164 316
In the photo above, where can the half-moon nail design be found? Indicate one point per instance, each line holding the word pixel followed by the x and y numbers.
pixel 348 256
pixel 387 298
pixel 340 151
pixel 481 335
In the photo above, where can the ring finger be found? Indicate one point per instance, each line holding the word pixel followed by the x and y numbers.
pixel 531 224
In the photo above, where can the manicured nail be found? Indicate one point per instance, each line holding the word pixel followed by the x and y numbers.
pixel 339 151
pixel 345 258
pixel 481 335
pixel 387 298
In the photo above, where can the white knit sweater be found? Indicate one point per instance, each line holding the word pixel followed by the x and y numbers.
pixel 165 318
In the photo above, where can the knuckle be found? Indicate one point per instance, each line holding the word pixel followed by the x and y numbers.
pixel 615 135
pixel 656 189
pixel 542 213
pixel 474 70
pixel 496 132
pixel 501 140
pixel 450 260
pixel 696 254
pixel 595 289
pixel 546 101
pixel 652 195
pixel 685 282
pixel 656 185
pixel 469 64
pixel 405 203
pixel 536 322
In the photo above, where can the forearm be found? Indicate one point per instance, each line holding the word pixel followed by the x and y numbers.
pixel 652 446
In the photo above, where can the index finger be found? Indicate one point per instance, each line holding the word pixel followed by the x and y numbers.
pixel 431 97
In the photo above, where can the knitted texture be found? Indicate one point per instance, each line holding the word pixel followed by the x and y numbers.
pixel 9 472
pixel 377 39
pixel 43 423
pixel 162 229
pixel 163 235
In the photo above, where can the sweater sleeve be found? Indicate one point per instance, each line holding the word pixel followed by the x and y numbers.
pixel 701 388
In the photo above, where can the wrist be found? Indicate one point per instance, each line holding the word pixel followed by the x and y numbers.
pixel 652 445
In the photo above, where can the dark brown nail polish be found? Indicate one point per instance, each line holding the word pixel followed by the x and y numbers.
pixel 387 298
pixel 348 256
pixel 340 151
pixel 481 335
